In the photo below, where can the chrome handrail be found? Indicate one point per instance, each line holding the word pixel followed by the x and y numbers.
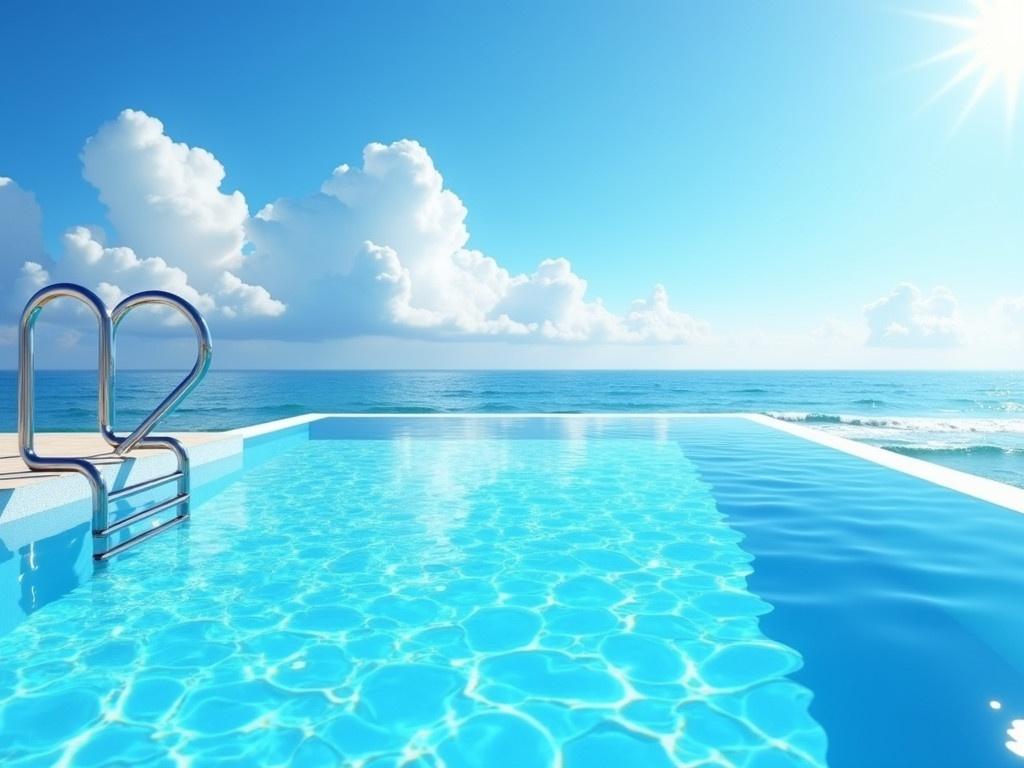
pixel 102 526
pixel 138 437
pixel 26 385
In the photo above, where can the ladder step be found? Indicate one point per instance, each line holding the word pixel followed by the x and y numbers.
pixel 125 545
pixel 145 485
pixel 135 517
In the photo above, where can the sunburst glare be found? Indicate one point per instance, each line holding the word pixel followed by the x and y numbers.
pixel 991 52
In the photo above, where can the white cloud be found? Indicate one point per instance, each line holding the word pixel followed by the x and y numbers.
pixel 21 246
pixel 177 227
pixel 552 302
pixel 250 300
pixel 388 242
pixel 382 249
pixel 908 318
pixel 164 197
pixel 123 271
pixel 31 277
pixel 379 249
pixel 655 320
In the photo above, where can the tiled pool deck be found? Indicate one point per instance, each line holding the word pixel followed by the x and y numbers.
pixel 14 473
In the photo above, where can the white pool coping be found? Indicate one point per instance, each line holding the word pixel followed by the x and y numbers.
pixel 58 491
pixel 976 487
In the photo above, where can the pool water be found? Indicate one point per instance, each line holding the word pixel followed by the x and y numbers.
pixel 538 592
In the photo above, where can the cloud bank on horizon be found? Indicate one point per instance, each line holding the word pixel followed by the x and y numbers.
pixel 379 249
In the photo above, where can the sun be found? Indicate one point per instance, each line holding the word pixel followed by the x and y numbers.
pixel 991 52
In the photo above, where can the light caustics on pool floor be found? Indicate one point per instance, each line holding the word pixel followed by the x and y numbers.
pixel 419 602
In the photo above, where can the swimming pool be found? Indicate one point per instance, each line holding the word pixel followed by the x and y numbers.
pixel 577 592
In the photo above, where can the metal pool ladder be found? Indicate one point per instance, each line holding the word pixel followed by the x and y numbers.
pixel 113 536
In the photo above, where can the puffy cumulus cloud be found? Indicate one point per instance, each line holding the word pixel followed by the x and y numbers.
pixel 552 301
pixel 382 249
pixel 655 320
pixel 22 258
pixel 23 262
pixel 164 197
pixel 86 259
pixel 386 239
pixel 30 278
pixel 178 228
pixel 123 271
pixel 908 318
pixel 250 300
pixel 378 249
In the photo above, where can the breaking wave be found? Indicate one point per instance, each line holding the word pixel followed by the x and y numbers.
pixel 907 423
pixel 972 444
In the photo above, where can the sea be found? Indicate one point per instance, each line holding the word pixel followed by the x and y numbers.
pixel 971 421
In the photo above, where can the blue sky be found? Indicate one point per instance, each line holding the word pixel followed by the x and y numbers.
pixel 769 164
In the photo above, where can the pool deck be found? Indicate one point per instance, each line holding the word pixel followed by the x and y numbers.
pixel 14 473
pixel 48 500
pixel 24 493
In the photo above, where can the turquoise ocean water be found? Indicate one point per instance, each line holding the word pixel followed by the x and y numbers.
pixel 973 421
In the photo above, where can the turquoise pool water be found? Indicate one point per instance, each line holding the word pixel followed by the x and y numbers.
pixel 537 592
